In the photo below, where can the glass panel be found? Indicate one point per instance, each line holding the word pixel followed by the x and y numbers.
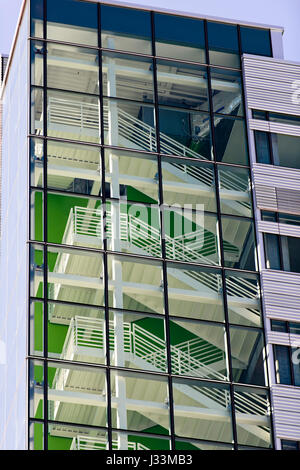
pixel 223 44
pixel 75 276
pixel 36 162
pixel 36 389
pixel 36 344
pixel 195 292
pixel 37 63
pixel 135 284
pixel 77 394
pixel 62 437
pixel 198 349
pixel 227 92
pixel 129 124
pixel 182 85
pixel 268 216
pixel 295 355
pixel 243 298
pixel 189 444
pixel 140 403
pixel 285 149
pixel 262 144
pixel 37 105
pixel 185 133
pixel 73 116
pixel 252 414
pixel 37 13
pixel 290 247
pixel 137 176
pixel 126 29
pixel 289 445
pixel 282 364
pixel 239 243
pixel 256 41
pixel 280 326
pixel 72 68
pixel 72 21
pixel 294 328
pixel 133 228
pixel 189 184
pixel 285 119
pixel 234 190
pixel 140 442
pixel 127 77
pixel 272 251
pixel 231 143
pixel 138 341
pixel 191 235
pixel 36 436
pixel 179 37
pixel 76 333
pixel 258 114
pixel 73 168
pixel 202 410
pixel 74 220
pixel 247 356
pixel 290 219
pixel 36 216
pixel 36 271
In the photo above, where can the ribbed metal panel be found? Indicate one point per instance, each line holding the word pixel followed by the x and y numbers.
pixel 286 411
pixel 284 339
pixel 277 188
pixel 275 127
pixel 279 229
pixel 269 84
pixel 281 293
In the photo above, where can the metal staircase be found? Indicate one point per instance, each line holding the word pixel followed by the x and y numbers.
pixel 98 443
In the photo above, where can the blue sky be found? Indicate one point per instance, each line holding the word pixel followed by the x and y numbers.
pixel 284 13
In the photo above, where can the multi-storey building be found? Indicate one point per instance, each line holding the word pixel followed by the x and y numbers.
pixel 139 309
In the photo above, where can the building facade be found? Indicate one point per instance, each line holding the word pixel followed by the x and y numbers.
pixel 149 194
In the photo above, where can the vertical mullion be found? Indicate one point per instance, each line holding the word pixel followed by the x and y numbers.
pixel 234 429
pixel 104 240
pixel 45 231
pixel 162 231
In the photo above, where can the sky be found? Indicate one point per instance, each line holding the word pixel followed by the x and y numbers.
pixel 284 13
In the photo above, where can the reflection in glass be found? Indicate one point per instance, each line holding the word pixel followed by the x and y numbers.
pixel 73 116
pixel 252 408
pixel 191 236
pixel 185 133
pixel 198 349
pixel 36 162
pixel 243 298
pixel 36 216
pixel 36 343
pixel 76 333
pixel 36 275
pixel 202 410
pixel 126 29
pixel 140 441
pixel 138 341
pixel 135 284
pixel 129 124
pixel 230 138
pixel 37 105
pixel 73 168
pixel 36 435
pixel 127 77
pixel 138 176
pixel 72 68
pixel 77 394
pixel 72 21
pixel 75 276
pixel 36 13
pixel 227 92
pixel 179 37
pixel 61 437
pixel 256 41
pixel 239 243
pixel 37 63
pixel 235 193
pixel 189 182
pixel 36 389
pixel 195 292
pixel 182 85
pixel 140 403
pixel 247 355
pixel 223 44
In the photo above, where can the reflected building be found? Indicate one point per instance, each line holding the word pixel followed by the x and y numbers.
pixel 133 244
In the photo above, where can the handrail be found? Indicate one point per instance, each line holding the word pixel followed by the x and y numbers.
pixel 100 443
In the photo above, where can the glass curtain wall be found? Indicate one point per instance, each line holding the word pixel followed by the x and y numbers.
pixel 145 316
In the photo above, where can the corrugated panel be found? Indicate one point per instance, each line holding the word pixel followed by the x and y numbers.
pixel 284 339
pixel 275 127
pixel 269 84
pixel 286 411
pixel 279 229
